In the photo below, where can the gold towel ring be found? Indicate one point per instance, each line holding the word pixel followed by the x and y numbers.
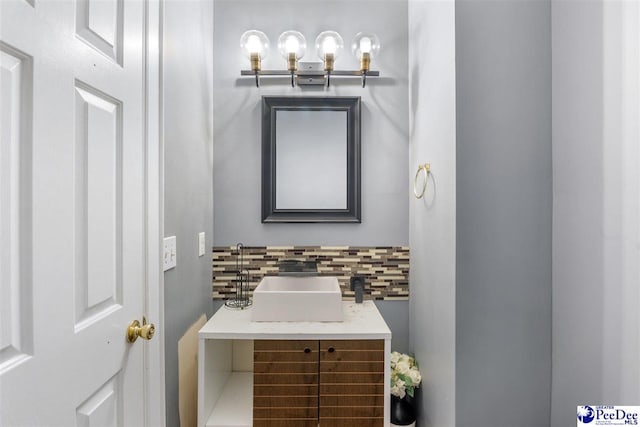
pixel 427 170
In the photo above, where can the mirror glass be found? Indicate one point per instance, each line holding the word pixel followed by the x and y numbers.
pixel 310 159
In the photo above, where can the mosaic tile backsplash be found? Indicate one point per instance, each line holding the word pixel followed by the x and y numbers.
pixel 385 268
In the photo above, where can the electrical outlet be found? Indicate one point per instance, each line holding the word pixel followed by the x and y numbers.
pixel 169 254
pixel 201 246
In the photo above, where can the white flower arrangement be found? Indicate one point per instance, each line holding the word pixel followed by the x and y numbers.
pixel 405 375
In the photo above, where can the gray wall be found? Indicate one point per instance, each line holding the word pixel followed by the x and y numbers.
pixel 578 211
pixel 237 124
pixel 188 198
pixel 504 207
pixel 432 219
pixel 396 315
pixel 596 217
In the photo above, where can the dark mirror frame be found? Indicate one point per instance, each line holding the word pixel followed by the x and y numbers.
pixel 270 106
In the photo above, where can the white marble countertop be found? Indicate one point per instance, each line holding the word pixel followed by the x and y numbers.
pixel 361 321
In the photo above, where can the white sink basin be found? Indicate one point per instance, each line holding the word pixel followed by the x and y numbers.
pixel 297 299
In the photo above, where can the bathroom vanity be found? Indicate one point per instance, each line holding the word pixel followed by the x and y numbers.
pixel 298 374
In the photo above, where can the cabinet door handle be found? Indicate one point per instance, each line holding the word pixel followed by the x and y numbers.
pixel 307 350
pixel 331 349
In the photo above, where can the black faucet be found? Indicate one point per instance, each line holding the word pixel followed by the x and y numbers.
pixel 356 283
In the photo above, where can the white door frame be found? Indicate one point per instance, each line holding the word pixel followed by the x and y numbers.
pixel 154 350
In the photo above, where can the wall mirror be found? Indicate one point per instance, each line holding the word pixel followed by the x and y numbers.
pixel 310 159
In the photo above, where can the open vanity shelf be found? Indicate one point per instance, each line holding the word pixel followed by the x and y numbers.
pixel 226 356
pixel 234 406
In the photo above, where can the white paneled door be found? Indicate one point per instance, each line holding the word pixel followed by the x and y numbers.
pixel 74 162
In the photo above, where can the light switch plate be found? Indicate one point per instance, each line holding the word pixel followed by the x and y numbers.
pixel 201 246
pixel 169 254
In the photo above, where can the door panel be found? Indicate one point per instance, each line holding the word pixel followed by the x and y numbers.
pixel 104 407
pixel 352 383
pixel 98 201
pixel 73 208
pixel 16 306
pixel 99 23
pixel 285 381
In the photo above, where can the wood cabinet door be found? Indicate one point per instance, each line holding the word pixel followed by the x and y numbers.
pixel 285 383
pixel 351 383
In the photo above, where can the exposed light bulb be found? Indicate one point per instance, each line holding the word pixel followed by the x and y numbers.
pixel 253 44
pixel 365 45
pixel 329 42
pixel 329 45
pixel 291 44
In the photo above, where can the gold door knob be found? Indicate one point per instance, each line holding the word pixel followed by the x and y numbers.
pixel 145 331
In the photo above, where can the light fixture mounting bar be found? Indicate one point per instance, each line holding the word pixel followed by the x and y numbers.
pixel 312 77
pixel 265 73
pixel 355 73
pixel 348 73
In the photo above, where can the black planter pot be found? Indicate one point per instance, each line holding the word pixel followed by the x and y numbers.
pixel 402 410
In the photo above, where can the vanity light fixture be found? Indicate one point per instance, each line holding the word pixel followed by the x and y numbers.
pixel 255 46
pixel 292 46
